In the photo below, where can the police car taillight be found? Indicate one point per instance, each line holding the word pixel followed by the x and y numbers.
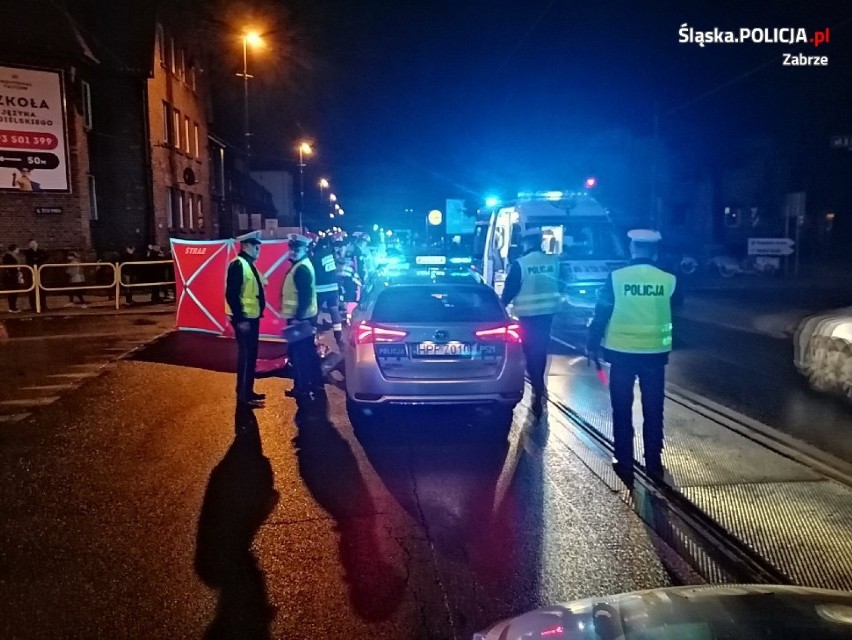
pixel 510 333
pixel 368 334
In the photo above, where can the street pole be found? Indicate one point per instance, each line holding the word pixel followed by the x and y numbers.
pixel 246 95
pixel 301 188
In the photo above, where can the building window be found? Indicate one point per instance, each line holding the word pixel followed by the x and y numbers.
pixel 93 199
pixel 170 212
pixel 199 212
pixel 177 128
pixel 186 138
pixel 181 65
pixel 192 77
pixel 172 59
pixel 190 210
pixel 161 45
pixel 87 104
pixel 179 208
pixel 167 123
pixel 197 154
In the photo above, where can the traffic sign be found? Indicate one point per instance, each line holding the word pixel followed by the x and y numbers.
pixel 770 246
pixel 841 142
pixel 435 217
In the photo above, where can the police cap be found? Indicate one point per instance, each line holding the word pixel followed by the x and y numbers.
pixel 644 235
pixel 252 237
pixel 297 239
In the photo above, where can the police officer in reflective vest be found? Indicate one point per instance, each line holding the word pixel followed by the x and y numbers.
pixel 299 305
pixel 328 289
pixel 244 303
pixel 633 319
pixel 532 287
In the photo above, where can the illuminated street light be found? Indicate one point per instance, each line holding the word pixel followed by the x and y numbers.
pixel 253 39
pixel 323 185
pixel 336 207
pixel 331 215
pixel 340 212
pixel 304 150
pixel 332 197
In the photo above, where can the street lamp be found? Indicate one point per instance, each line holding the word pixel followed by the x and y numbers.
pixel 253 39
pixel 323 185
pixel 340 212
pixel 305 149
pixel 332 197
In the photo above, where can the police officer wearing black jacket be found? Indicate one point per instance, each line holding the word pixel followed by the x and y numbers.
pixel 244 303
pixel 633 322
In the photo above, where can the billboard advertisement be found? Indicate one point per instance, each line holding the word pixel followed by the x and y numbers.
pixel 33 144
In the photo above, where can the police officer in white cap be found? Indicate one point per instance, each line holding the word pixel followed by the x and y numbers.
pixel 532 287
pixel 244 303
pixel 633 321
pixel 299 305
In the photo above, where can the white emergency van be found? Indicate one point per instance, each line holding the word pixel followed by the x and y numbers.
pixel 575 227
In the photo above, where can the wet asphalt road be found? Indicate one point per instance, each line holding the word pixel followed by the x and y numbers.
pixel 43 359
pixel 753 374
pixel 132 511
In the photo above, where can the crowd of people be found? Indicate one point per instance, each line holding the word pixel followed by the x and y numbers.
pixel 75 275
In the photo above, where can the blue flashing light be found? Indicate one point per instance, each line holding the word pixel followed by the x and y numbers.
pixel 461 260
pixel 552 195
pixel 375 227
pixel 492 201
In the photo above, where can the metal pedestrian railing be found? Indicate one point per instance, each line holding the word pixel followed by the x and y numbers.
pixel 13 282
pixel 74 278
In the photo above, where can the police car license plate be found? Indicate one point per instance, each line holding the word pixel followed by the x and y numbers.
pixel 443 350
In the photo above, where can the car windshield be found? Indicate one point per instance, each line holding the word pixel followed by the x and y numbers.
pixel 437 303
pixel 584 239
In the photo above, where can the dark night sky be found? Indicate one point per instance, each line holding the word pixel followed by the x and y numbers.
pixel 412 103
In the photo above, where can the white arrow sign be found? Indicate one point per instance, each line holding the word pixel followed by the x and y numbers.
pixel 770 246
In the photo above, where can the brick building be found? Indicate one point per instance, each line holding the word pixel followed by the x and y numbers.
pixel 136 129
pixel 58 209
pixel 180 162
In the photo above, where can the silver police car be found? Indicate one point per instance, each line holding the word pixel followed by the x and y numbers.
pixel 432 333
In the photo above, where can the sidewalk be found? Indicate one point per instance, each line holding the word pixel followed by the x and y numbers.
pixel 59 307
pixel 793 515
pixel 732 314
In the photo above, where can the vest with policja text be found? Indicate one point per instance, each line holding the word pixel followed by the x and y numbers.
pixel 539 293
pixel 249 294
pixel 641 319
pixel 290 294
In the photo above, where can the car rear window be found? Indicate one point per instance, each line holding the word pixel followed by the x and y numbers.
pixel 437 304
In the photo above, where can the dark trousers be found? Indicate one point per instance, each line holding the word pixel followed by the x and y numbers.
pixel 76 295
pixel 535 333
pixel 13 301
pixel 651 371
pixel 306 363
pixel 329 301
pixel 246 357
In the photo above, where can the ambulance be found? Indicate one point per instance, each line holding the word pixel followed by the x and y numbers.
pixel 575 227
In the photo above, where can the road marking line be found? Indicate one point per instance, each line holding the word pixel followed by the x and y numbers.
pixel 13 418
pixel 31 402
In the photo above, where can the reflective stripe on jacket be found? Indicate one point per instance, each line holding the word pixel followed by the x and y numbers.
pixel 249 294
pixel 641 319
pixel 539 292
pixel 290 294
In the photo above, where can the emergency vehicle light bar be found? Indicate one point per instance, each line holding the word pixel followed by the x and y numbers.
pixel 430 260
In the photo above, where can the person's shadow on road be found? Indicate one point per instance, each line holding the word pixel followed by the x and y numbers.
pixel 240 496
pixel 331 473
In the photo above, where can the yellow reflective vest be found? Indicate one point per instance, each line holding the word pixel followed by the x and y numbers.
pixel 641 319
pixel 290 295
pixel 539 293
pixel 249 294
